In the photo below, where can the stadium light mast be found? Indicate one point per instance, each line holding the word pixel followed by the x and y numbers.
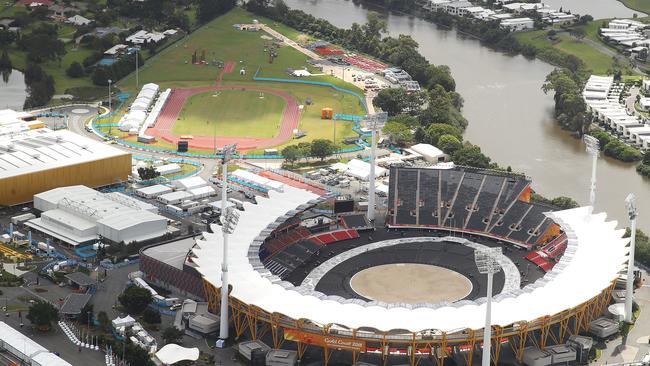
pixel 229 219
pixel 593 149
pixel 487 263
pixel 110 108
pixel 137 66
pixel 630 203
pixel 374 122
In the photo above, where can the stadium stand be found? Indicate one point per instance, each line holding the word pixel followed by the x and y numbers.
pixel 546 257
pixel 466 199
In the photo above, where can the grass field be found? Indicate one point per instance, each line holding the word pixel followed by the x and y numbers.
pixel 595 60
pixel 640 5
pixel 230 113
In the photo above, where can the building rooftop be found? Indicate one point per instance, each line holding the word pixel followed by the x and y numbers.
pixel 35 150
pixel 80 279
pixel 74 303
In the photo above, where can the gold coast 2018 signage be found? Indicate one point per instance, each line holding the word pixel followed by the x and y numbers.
pixel 325 340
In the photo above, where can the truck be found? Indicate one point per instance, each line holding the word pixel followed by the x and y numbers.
pixel 238 204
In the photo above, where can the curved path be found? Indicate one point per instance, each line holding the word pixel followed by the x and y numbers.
pixel 169 115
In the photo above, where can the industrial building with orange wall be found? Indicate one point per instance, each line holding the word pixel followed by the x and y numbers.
pixel 36 160
pixel 97 173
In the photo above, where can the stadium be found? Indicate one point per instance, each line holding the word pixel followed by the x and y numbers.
pixel 406 290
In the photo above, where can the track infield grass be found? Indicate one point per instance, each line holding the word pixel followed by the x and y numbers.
pixel 230 113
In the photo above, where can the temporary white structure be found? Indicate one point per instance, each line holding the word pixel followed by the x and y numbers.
pixel 595 255
pixel 172 353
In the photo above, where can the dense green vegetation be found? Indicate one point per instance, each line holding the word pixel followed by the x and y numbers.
pixel 561 202
pixel 642 247
pixel 644 167
pixel 135 299
pixel 613 147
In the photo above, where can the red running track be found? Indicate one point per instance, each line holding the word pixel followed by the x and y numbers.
pixel 169 116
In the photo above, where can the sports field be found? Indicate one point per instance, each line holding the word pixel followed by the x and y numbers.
pixel 230 113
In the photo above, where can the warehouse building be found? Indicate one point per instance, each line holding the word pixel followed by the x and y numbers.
pixel 79 215
pixel 33 160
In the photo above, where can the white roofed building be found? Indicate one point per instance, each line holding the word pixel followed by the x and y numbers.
pixel 80 215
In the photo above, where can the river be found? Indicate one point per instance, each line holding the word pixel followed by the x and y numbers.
pixel 509 115
pixel 13 91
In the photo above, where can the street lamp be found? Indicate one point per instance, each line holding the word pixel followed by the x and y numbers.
pixel 229 219
pixel 137 66
pixel 374 122
pixel 593 149
pixel 630 203
pixel 487 263
pixel 110 108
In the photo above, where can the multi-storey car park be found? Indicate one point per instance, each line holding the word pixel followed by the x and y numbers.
pixel 295 288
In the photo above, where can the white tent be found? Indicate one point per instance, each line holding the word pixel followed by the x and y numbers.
pixel 127 321
pixel 172 353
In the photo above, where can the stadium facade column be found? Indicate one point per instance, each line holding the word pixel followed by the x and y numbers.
pixel 630 203
pixel 374 122
pixel 229 222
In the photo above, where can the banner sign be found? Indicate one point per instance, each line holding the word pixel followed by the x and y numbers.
pixel 328 341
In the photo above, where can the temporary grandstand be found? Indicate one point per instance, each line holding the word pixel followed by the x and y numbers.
pixel 144 110
pixel 80 215
pixel 481 204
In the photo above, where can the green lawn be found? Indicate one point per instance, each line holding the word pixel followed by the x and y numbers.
pixel 220 41
pixel 595 60
pixel 230 113
pixel 640 5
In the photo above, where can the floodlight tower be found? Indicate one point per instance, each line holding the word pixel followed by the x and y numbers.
pixel 487 263
pixel 137 67
pixel 593 149
pixel 229 219
pixel 374 122
pixel 110 109
pixel 630 203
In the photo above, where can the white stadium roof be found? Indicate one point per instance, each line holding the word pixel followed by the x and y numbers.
pixel 595 255
pixel 43 149
pixel 172 353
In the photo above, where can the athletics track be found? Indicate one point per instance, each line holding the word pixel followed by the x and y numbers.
pixel 169 115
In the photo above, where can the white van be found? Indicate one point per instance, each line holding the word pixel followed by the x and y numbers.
pixel 239 204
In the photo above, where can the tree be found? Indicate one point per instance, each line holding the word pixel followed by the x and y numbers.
pixel 86 314
pixel 6 37
pixel 5 61
pixel 449 144
pixel 399 133
pixel 172 335
pixel 75 70
pixel 471 155
pixel 148 173
pixel 291 153
pixel 104 321
pixel 436 130
pixel 100 76
pixel 210 9
pixel 151 316
pixel 42 314
pixel 135 299
pixel 390 100
pixel 321 148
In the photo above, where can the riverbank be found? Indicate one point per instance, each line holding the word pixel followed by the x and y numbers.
pixel 639 5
